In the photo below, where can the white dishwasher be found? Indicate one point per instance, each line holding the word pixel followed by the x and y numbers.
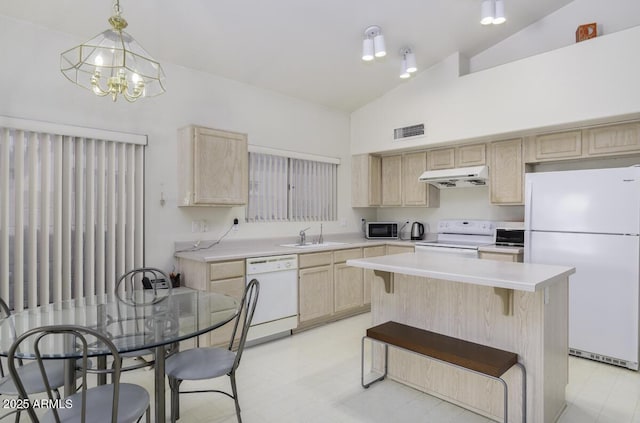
pixel 277 310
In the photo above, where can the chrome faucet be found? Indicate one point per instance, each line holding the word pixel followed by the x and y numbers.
pixel 303 236
pixel 320 239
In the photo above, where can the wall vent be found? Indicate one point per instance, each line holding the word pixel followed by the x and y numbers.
pixel 408 132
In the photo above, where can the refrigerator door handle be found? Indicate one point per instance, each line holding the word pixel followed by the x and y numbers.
pixel 527 246
pixel 528 201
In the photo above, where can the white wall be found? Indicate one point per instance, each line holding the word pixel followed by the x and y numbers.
pixel 32 87
pixel 558 30
pixel 591 80
pixel 455 203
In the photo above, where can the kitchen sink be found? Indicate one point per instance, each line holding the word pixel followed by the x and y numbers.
pixel 313 245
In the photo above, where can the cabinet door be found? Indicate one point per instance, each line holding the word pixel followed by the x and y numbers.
pixel 442 159
pixel 506 172
pixel 562 145
pixel 614 139
pixel 365 180
pixel 471 155
pixel 414 192
pixel 392 180
pixel 367 274
pixel 220 168
pixel 316 292
pixel 233 287
pixel 348 288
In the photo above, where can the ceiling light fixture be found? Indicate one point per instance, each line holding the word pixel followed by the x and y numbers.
pixel 373 44
pixel 408 63
pixel 113 63
pixel 492 12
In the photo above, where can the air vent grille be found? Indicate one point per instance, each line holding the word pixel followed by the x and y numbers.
pixel 408 132
pixel 602 358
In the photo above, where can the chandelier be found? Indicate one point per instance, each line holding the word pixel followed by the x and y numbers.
pixel 113 63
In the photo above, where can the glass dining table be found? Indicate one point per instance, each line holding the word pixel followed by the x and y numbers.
pixel 183 314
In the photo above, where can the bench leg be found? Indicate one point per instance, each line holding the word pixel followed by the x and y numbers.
pixel 506 398
pixel 524 392
pixel 524 395
pixel 386 356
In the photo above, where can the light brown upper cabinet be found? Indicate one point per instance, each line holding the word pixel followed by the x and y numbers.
pixel 366 174
pixel 506 170
pixel 613 139
pixel 414 192
pixel 392 180
pixel 556 146
pixel 463 156
pixel 471 155
pixel 443 158
pixel 212 167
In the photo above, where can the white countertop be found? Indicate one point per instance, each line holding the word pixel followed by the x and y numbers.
pixel 500 274
pixel 263 247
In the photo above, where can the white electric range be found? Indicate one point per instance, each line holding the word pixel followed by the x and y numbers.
pixel 461 237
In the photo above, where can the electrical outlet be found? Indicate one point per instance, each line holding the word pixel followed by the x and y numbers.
pixel 204 227
pixel 195 226
pixel 235 224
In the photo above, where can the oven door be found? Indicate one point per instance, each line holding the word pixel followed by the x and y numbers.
pixel 459 251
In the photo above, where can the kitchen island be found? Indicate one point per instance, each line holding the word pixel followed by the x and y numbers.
pixel 519 307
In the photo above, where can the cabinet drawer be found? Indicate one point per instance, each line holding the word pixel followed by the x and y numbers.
pixel 397 249
pixel 314 259
pixel 486 255
pixel 226 270
pixel 340 256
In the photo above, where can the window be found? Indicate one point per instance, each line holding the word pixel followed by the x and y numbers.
pixel 291 189
pixel 71 211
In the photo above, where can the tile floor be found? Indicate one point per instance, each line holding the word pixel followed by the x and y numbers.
pixel 314 376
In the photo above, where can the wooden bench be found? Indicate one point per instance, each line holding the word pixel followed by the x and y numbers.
pixel 477 358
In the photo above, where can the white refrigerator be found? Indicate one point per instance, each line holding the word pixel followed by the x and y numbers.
pixel 590 219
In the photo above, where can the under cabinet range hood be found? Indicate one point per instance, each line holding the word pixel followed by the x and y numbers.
pixel 475 176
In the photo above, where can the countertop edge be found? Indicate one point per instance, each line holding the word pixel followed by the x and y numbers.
pixel 454 276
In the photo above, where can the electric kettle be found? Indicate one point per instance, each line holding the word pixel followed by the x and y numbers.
pixel 417 231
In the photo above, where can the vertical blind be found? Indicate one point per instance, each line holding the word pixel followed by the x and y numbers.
pixel 290 189
pixel 71 214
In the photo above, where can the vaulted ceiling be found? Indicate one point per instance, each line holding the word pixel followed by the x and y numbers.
pixel 301 48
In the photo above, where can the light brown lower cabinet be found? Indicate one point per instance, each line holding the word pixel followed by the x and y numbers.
pixel 328 289
pixel 315 292
pixel 226 277
pixel 235 288
pixel 367 274
pixel 347 280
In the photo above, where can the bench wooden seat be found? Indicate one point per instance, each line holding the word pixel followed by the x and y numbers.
pixel 478 358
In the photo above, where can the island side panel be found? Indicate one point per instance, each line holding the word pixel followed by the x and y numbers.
pixel 556 341
pixel 474 313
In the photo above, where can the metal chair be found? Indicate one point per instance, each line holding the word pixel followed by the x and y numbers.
pixel 210 363
pixel 127 293
pixel 29 373
pixel 117 403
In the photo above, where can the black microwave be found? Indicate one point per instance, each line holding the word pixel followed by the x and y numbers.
pixel 382 230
